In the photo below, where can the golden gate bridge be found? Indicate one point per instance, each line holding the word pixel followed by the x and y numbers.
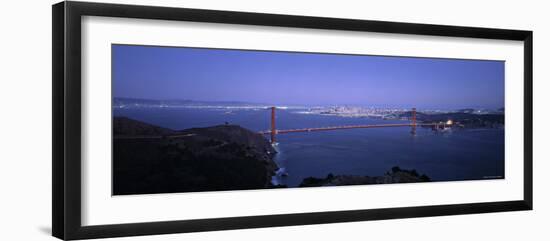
pixel 274 131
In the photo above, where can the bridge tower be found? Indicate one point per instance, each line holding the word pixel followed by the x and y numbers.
pixel 273 130
pixel 413 119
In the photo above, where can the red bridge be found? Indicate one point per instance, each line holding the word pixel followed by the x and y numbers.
pixel 273 132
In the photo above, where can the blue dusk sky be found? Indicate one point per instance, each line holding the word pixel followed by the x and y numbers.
pixel 287 78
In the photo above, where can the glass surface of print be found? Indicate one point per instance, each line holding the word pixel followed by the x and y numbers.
pixel 199 119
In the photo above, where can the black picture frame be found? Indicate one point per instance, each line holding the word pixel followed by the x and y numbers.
pixel 66 75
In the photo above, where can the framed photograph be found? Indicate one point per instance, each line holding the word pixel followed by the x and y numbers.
pixel 169 120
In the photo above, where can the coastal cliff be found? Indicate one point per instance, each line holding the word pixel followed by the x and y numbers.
pixel 151 159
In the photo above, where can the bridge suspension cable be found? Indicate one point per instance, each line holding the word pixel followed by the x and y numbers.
pixel 273 131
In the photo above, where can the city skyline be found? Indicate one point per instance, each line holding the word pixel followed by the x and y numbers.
pixel 309 79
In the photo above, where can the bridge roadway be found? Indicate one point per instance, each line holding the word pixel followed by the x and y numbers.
pixel 328 128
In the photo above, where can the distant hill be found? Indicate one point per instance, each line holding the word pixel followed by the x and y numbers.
pixel 466 119
pixel 151 159
pixel 132 102
pixel 468 110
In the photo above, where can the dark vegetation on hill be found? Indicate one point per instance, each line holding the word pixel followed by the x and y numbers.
pixel 150 159
pixel 123 126
pixel 396 175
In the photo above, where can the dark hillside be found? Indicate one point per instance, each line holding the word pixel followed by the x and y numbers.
pixel 226 157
